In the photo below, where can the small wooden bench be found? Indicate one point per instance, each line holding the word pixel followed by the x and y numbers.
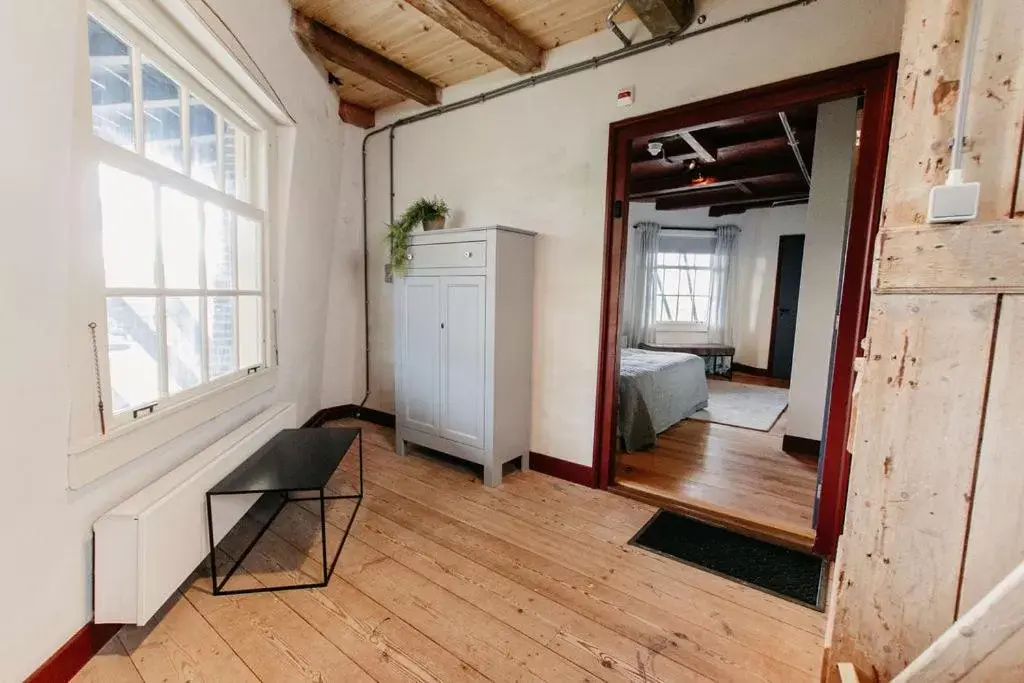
pixel 717 352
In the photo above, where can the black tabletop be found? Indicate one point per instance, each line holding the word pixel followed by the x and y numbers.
pixel 294 460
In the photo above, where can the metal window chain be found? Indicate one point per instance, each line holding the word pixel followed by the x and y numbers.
pixel 99 381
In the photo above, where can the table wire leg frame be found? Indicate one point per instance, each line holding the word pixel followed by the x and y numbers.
pixel 218 589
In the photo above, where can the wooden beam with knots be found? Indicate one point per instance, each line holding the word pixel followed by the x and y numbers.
pixel 341 50
pixel 477 23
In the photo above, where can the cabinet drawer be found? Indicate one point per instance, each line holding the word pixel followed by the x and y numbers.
pixel 450 255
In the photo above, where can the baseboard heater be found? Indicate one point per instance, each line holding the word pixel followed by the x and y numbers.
pixel 149 544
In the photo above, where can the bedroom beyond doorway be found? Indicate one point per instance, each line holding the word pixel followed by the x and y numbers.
pixel 740 249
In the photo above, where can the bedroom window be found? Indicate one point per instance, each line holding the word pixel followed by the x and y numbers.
pixel 683 282
pixel 182 223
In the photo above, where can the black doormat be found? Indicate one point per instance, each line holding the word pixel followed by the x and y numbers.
pixel 784 572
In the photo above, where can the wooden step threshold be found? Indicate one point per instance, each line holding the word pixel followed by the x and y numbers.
pixel 760 528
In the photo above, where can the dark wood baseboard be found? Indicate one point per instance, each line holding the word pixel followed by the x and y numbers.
pixel 750 370
pixel 562 469
pixel 74 654
pixel 325 415
pixel 798 445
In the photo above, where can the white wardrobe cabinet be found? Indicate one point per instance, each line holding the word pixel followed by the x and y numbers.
pixel 463 345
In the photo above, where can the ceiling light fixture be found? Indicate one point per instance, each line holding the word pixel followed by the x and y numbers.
pixel 655 148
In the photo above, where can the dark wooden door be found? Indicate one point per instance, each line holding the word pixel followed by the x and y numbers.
pixel 787 294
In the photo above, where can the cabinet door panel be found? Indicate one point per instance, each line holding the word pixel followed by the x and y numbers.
pixel 420 353
pixel 463 359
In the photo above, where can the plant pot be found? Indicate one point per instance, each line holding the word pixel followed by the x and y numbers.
pixel 434 224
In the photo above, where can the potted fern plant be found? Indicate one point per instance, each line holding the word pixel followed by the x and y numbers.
pixel 430 213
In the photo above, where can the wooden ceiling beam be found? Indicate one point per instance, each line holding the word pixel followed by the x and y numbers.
pixel 741 207
pixel 356 115
pixel 345 52
pixel 730 194
pixel 702 152
pixel 481 26
pixel 683 181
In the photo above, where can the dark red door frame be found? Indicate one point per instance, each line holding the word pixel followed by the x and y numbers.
pixel 874 79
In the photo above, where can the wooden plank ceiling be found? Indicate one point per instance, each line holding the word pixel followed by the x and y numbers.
pixel 730 166
pixel 518 31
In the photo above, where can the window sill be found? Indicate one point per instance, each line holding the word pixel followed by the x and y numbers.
pixel 95 458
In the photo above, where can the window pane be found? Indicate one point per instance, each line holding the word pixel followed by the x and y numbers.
pixel 702 304
pixel 110 76
pixel 184 344
pixel 671 259
pixel 702 282
pixel 671 281
pixel 202 124
pixel 686 282
pixel 250 331
pixel 221 336
pixel 249 255
pixel 236 162
pixel 666 309
pixel 220 259
pixel 179 230
pixel 702 260
pixel 161 104
pixel 129 229
pixel 133 343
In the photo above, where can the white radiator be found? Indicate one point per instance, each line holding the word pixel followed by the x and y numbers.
pixel 149 544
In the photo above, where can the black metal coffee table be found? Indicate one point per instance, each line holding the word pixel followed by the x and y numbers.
pixel 294 461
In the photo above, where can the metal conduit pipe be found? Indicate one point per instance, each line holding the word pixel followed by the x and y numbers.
pixel 624 52
pixel 609 21
pixel 794 144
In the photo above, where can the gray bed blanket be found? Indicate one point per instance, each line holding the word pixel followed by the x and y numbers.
pixel 657 390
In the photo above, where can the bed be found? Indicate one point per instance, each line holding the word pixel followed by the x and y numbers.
pixel 657 389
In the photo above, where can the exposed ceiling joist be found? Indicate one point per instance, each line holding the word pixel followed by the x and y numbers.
pixel 715 176
pixel 724 194
pixel 347 53
pixel 741 207
pixel 478 24
pixel 356 115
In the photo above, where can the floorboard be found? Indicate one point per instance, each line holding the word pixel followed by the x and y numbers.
pixel 444 580
pixel 741 477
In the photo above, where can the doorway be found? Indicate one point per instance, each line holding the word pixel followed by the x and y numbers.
pixel 787 303
pixel 874 83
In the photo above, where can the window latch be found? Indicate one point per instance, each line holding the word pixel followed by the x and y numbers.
pixel 253 370
pixel 144 410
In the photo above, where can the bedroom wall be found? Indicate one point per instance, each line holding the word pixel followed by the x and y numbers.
pixel 45 533
pixel 537 160
pixel 827 219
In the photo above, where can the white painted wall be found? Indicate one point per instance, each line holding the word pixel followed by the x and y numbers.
pixel 827 219
pixel 537 160
pixel 45 530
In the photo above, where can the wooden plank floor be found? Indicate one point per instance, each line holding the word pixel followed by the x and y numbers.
pixel 445 580
pixel 736 475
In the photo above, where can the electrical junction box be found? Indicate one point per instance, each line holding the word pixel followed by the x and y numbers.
pixel 954 203
pixel 624 98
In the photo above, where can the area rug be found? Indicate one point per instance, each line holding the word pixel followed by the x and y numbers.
pixel 743 405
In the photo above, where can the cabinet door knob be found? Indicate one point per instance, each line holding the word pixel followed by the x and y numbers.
pixel 469 254
pixel 408 257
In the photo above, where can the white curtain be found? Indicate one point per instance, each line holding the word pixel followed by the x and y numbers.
pixel 722 264
pixel 638 309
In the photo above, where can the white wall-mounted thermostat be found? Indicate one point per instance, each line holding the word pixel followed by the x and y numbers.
pixel 624 98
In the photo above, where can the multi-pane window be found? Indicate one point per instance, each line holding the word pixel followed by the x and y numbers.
pixel 183 237
pixel 683 287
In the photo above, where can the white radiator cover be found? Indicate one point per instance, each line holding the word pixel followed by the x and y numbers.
pixel 149 544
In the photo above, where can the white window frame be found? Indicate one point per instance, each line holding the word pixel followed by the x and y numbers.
pixel 202 67
pixel 671 325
